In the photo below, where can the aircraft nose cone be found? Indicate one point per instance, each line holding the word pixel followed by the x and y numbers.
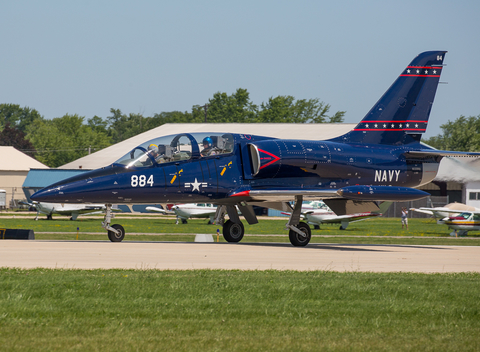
pixel 46 195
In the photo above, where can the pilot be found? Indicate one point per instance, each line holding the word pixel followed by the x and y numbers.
pixel 153 151
pixel 207 147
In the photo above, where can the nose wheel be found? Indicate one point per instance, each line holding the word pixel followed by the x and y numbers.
pixel 116 236
pixel 116 232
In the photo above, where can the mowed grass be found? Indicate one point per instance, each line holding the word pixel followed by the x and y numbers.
pixel 373 231
pixel 211 310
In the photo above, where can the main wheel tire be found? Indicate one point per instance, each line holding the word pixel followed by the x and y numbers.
pixel 298 240
pixel 114 237
pixel 233 232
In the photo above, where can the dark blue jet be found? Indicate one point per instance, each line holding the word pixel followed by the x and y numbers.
pixel 381 159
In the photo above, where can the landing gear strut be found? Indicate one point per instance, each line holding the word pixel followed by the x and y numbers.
pixel 116 233
pixel 233 229
pixel 300 233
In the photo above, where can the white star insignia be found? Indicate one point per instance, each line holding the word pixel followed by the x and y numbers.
pixel 376 125
pixel 366 125
pixel 400 125
pixel 418 71
pixel 434 71
pixel 393 125
pixel 196 185
pixel 416 125
pixel 384 125
pixel 408 71
pixel 426 72
pixel 408 125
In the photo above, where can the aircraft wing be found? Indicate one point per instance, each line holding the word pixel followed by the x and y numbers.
pixel 429 211
pixel 280 195
pixel 357 193
pixel 440 213
pixel 84 210
pixel 343 201
pixel 351 218
pixel 434 152
pixel 155 210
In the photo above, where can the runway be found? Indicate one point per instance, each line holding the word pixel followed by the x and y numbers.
pixel 243 256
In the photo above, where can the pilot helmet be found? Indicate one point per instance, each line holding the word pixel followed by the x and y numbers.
pixel 208 141
pixel 153 148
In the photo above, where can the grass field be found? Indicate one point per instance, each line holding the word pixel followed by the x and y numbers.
pixel 214 310
pixel 126 310
pixel 45 310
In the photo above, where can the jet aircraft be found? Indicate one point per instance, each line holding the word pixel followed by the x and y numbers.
pixel 72 210
pixel 189 210
pixel 381 159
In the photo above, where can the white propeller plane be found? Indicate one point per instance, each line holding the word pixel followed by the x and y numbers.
pixel 189 210
pixel 317 213
pixel 72 210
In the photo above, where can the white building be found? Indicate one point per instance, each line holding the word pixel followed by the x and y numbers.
pixel 14 167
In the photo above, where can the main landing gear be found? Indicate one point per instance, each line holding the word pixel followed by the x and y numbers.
pixel 233 229
pixel 300 233
pixel 116 233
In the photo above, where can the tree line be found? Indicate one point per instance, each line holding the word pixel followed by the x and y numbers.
pixel 60 140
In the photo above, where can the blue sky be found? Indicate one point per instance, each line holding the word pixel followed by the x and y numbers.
pixel 85 57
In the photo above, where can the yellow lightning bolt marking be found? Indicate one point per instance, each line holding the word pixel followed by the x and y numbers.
pixel 225 168
pixel 175 176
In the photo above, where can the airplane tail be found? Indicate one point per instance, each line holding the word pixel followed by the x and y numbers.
pixel 401 114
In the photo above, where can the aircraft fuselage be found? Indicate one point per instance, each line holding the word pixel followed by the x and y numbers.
pixel 253 163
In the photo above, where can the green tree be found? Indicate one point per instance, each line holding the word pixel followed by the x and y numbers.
pixel 17 117
pixel 228 108
pixel 284 109
pixel 12 136
pixel 463 134
pixel 121 126
pixel 64 139
pixel 97 124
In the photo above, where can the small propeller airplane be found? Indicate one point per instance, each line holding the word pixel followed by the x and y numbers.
pixel 457 216
pixel 463 222
pixel 72 210
pixel 324 215
pixel 381 159
pixel 443 212
pixel 189 210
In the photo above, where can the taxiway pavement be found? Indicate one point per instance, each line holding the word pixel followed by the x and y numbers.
pixel 244 256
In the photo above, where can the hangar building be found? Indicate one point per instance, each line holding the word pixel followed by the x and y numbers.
pixel 14 167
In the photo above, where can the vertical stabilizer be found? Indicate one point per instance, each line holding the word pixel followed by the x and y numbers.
pixel 401 114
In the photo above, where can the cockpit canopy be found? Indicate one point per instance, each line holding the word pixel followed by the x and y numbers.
pixel 174 148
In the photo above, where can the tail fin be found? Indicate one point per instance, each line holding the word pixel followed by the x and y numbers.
pixel 401 114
